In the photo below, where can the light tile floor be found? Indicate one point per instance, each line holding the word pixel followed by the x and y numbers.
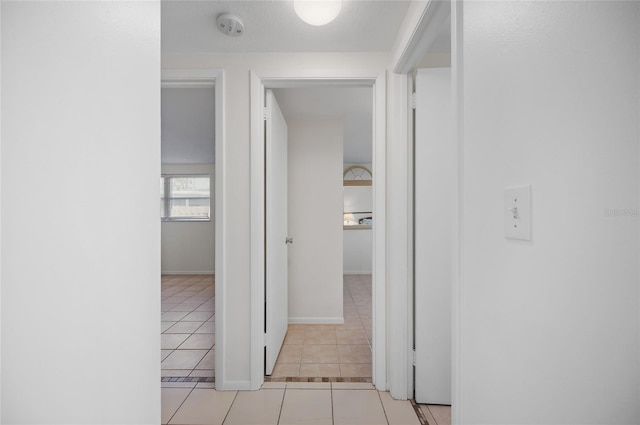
pixel 187 327
pixel 280 403
pixel 188 349
pixel 332 351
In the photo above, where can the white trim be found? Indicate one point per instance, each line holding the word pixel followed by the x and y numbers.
pixel 194 273
pixel 232 385
pixel 220 203
pixel 457 290
pixel 410 242
pixel 420 28
pixel 358 272
pixel 351 78
pixel 191 76
pixel 0 220
pixel 317 320
pixel 280 79
pixel 257 229
pixel 379 275
pixel 423 25
pixel 187 84
pixel 215 77
pixel 401 243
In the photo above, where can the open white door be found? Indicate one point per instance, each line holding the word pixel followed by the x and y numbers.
pixel 276 187
pixel 435 192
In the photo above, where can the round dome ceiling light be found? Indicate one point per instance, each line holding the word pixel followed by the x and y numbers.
pixel 230 24
pixel 317 12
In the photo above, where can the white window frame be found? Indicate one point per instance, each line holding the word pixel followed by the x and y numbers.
pixel 167 198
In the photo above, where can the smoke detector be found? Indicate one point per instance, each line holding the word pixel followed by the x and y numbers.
pixel 230 24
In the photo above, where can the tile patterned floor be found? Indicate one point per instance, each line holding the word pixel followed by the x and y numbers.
pixel 332 351
pixel 188 322
pixel 280 403
pixel 188 350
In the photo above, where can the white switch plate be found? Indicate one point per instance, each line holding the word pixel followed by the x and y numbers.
pixel 517 213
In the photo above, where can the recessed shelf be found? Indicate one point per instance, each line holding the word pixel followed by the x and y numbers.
pixel 357 227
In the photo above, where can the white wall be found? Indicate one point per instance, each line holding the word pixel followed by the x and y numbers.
pixel 315 220
pixel 358 251
pixel 358 201
pixel 550 327
pixel 80 229
pixel 237 313
pixel 189 247
pixel 1 133
pixel 188 125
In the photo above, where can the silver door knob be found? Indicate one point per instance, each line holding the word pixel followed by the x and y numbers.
pixel 288 240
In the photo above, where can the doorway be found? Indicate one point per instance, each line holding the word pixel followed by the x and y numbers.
pixel 430 70
pixel 278 81
pixel 329 209
pixel 191 107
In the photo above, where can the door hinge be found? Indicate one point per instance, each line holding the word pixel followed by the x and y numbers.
pixel 413 100
pixel 265 340
pixel 413 357
pixel 264 113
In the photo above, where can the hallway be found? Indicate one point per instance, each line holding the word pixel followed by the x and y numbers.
pixel 333 352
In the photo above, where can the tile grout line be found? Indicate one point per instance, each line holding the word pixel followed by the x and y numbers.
pixel 333 419
pixel 284 394
pixel 383 409
pixel 230 407
pixel 185 301
pixel 183 401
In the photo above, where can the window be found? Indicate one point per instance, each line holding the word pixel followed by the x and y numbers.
pixel 185 197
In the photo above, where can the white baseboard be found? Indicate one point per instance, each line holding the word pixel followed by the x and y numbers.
pixel 234 386
pixel 360 272
pixel 173 272
pixel 317 320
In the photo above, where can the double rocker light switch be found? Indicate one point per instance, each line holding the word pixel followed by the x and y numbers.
pixel 517 214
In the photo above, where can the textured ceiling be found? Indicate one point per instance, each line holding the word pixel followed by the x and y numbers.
pixel 272 26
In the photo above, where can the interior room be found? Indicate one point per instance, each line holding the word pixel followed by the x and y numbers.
pixel 187 233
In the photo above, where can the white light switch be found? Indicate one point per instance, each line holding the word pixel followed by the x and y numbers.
pixel 517 213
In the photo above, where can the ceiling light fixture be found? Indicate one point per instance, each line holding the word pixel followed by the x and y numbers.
pixel 317 12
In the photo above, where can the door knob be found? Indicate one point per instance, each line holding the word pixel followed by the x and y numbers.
pixel 288 240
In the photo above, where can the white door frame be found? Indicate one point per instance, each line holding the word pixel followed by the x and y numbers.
pixel 419 33
pixel 212 78
pixel 287 79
